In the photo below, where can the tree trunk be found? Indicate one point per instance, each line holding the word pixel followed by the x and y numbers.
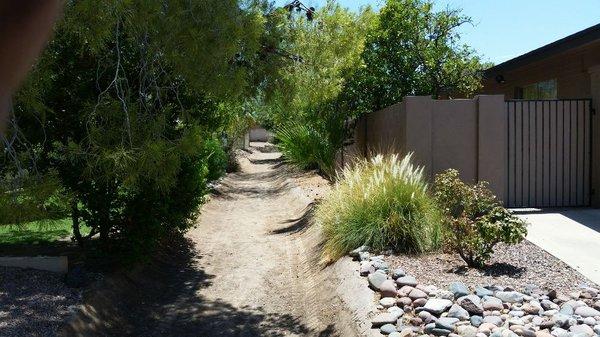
pixel 75 219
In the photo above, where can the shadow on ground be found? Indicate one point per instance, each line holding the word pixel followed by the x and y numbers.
pixel 299 224
pixel 162 299
pixel 495 270
pixel 273 182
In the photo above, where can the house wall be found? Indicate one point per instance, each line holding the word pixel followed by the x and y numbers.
pixel 570 69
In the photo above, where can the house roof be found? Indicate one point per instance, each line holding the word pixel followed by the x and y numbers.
pixel 570 42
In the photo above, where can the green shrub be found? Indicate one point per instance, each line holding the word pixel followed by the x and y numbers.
pixel 217 159
pixel 474 219
pixel 382 203
pixel 305 146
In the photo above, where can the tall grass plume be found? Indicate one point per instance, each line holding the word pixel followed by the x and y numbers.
pixel 383 203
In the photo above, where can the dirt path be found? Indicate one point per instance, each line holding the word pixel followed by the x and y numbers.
pixel 249 268
pixel 261 270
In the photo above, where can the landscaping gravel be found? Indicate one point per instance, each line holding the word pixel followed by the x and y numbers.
pixel 511 266
pixel 34 303
pixel 446 300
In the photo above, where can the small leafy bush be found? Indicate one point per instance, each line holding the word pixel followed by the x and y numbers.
pixel 306 147
pixel 217 160
pixel 475 221
pixel 382 203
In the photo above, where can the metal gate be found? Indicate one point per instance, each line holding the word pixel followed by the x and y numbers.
pixel 549 152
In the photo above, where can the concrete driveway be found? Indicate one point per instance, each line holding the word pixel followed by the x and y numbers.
pixel 572 235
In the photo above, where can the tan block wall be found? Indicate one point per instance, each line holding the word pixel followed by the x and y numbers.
pixel 468 135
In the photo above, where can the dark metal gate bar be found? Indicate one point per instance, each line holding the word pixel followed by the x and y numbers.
pixel 549 152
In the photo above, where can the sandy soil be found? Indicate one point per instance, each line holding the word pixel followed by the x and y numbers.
pixel 249 268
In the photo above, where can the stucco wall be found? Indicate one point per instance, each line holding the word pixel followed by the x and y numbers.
pixel 468 135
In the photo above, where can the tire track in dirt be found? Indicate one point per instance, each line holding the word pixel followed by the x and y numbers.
pixel 249 268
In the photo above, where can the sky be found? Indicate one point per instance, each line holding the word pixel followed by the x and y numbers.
pixel 504 29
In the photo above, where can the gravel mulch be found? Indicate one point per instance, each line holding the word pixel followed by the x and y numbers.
pixel 513 266
pixel 34 303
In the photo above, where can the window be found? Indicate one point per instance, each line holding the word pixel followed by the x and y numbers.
pixel 540 90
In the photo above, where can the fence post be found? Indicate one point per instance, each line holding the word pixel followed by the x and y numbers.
pixel 595 129
pixel 492 143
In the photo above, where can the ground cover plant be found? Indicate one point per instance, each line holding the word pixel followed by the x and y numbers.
pixel 382 203
pixel 474 220
pixel 36 232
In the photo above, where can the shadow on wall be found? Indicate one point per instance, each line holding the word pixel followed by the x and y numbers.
pixel 161 299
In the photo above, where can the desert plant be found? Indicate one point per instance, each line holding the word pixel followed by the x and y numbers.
pixel 382 203
pixel 307 147
pixel 474 219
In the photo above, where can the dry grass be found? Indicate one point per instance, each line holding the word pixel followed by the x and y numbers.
pixel 382 203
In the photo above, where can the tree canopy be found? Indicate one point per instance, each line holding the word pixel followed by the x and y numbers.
pixel 123 121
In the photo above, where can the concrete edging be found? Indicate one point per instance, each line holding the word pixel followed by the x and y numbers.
pixel 56 264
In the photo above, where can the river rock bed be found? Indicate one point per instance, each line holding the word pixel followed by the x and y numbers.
pixel 408 308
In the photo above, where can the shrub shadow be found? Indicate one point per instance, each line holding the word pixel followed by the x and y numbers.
pixel 299 224
pixel 495 270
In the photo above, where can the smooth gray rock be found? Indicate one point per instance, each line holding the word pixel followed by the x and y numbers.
pixel 387 329
pixel 509 296
pixel 387 288
pixel 458 289
pixel 587 312
pixel 582 329
pixel 516 313
pixel 567 309
pixel 384 318
pixel 559 332
pixel 398 272
pixel 476 320
pixel 437 305
pixel 440 332
pixel 387 302
pixel 597 329
pixel 380 265
pixel 406 281
pixel 492 303
pixel 459 312
pixel 496 320
pixel 549 305
pixel 591 321
pixel 482 292
pixel 416 294
pixel 427 317
pixel 376 280
pixel 446 323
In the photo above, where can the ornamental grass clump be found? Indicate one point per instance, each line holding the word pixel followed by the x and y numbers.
pixel 474 219
pixel 382 203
